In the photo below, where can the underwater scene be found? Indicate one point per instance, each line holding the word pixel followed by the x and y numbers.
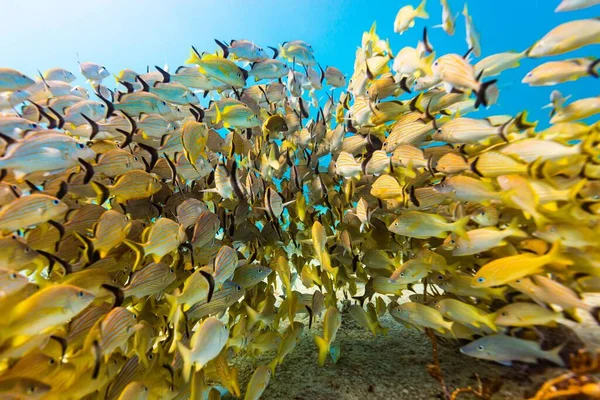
pixel 300 200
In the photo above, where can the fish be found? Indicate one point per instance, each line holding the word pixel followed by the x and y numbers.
pixel 420 315
pixel 466 314
pixel 525 314
pixel 456 73
pixel 572 5
pixel 219 68
pixel 51 152
pixel 30 210
pixel 405 18
pixel 11 282
pixel 483 239
pixel 258 383
pixel 555 72
pixel 574 111
pixel 511 268
pixel 162 238
pixel 46 309
pixel 423 225
pixel 505 349
pixel 448 18
pixel 566 37
pixel 135 184
pixel 11 80
pixel 331 323
pixel 92 71
pixel 472 35
pixel 206 344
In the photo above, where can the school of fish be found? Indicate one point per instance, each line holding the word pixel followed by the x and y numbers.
pixel 151 232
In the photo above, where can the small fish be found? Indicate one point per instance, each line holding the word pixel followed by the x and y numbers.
pixel 334 77
pixel 206 344
pixel 457 73
pixel 30 210
pixel 93 72
pixel 150 280
pixel 483 239
pixel 135 184
pixel 448 19
pixel 11 80
pixel 249 275
pixel 466 314
pixel 497 63
pixel 473 37
pixel 134 391
pixel 507 269
pixel 555 72
pixel 258 383
pixel 331 323
pixel 573 5
pixel 162 238
pixel 576 110
pixel 219 68
pixel 44 152
pixel 11 282
pixel 46 309
pixel 423 225
pixel 506 349
pixel 525 314
pixel 567 37
pixel 405 18
pixel 421 316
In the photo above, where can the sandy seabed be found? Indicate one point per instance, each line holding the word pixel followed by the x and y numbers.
pixel 394 366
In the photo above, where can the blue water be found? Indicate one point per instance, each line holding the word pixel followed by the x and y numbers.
pixel 135 34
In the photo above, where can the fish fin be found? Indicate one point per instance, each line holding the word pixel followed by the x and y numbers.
pixel 272 365
pixel 188 364
pixel 595 312
pixel 102 192
pixel 89 254
pixel 116 292
pixel 252 316
pixel 460 225
pixel 514 230
pixel 172 300
pixel 139 252
pixel 554 355
pixel 481 95
pixel 323 349
pixel 592 69
pixel 506 363
pixel 489 320
pixel 555 256
pixel 211 284
pixel 420 11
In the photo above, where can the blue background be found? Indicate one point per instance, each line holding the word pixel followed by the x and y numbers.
pixel 135 33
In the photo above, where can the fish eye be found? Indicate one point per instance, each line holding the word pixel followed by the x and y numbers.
pixel 440 277
pixel 55 202
pixel 14 237
pixel 259 270
pixel 439 130
pixel 34 126
pixel 135 158
pixel 150 357
pixel 102 105
pixel 171 271
pixel 80 146
pixel 80 294
pixel 480 347
pixel 134 316
pixel 24 76
pixel 482 213
pixel 30 389
pixel 504 314
pixel 518 281
pixel 26 250
pixel 402 274
pixel 51 361
pixel 481 280
pixel 238 287
pixel 164 103
pixel 13 276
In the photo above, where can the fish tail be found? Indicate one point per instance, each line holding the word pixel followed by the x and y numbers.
pixel 252 316
pixel 172 300
pixel 481 93
pixel 88 247
pixel 194 57
pixel 574 191
pixel 139 252
pixel 102 192
pixel 219 116
pixel 186 354
pixel 595 312
pixel 420 11
pixel 490 321
pixel 554 355
pixel 554 255
pixel 273 364
pixel 592 69
pixel 514 230
pixel 323 349
pixel 460 226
